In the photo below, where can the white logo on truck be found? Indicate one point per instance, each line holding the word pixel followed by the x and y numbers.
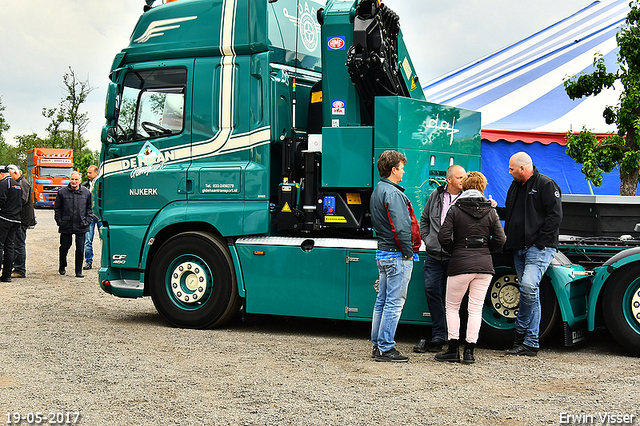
pixel 430 124
pixel 157 28
pixel 149 159
pixel 309 28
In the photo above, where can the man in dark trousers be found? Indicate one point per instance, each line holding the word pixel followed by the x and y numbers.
pixel 532 215
pixel 437 260
pixel 73 215
pixel 10 207
pixel 27 219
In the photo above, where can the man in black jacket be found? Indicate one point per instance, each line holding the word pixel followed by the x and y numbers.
pixel 532 215
pixel 10 207
pixel 73 215
pixel 27 219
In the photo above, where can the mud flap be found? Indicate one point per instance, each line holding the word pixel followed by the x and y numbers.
pixel 575 335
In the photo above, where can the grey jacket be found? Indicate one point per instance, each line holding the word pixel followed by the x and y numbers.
pixel 393 219
pixel 430 224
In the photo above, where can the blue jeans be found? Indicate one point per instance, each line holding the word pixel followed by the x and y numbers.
pixel 20 250
pixel 88 241
pixel 394 282
pixel 531 264
pixel 435 282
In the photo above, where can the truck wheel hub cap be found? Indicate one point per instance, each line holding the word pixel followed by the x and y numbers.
pixel 505 296
pixel 188 282
pixel 635 305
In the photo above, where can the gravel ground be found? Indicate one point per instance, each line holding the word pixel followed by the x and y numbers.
pixel 66 346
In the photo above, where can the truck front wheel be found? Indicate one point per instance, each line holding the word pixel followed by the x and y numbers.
pixel 621 308
pixel 193 282
pixel 501 309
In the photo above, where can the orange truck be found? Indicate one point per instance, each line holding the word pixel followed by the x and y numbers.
pixel 48 170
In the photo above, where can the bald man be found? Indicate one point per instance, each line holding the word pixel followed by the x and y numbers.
pixel 437 260
pixel 532 218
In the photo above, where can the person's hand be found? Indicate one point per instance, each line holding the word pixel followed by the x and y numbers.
pixel 494 203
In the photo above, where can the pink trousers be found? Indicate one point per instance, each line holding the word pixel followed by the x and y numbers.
pixel 457 286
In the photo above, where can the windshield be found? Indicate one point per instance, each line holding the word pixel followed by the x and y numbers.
pixel 55 171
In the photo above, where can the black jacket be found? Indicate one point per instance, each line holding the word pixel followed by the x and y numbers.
pixel 10 200
pixel 73 210
pixel 27 214
pixel 471 231
pixel 543 210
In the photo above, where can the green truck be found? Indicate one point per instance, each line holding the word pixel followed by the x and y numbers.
pixel 238 159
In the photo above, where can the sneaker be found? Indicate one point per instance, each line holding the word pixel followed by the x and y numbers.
pixel 17 275
pixel 523 350
pixel 392 355
pixel 375 352
pixel 86 266
pixel 79 275
pixel 62 271
pixel 5 279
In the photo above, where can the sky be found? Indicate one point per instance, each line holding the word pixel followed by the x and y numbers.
pixel 40 41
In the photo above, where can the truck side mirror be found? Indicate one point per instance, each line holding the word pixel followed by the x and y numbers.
pixel 111 106
pixel 109 135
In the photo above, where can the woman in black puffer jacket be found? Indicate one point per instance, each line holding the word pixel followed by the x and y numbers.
pixel 471 231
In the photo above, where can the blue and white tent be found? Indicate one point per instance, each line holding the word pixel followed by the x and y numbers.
pixel 519 91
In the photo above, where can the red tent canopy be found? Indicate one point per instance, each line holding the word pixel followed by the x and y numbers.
pixel 544 138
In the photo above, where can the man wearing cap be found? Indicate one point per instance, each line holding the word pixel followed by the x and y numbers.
pixel 27 219
pixel 10 207
pixel 73 215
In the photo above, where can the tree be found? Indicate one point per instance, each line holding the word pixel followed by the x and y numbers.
pixel 55 139
pixel 77 92
pixel 84 160
pixel 25 143
pixel 3 123
pixel 619 150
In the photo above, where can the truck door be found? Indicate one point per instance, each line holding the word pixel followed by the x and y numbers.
pixel 146 161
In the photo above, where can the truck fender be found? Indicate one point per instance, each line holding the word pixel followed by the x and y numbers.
pixel 239 276
pixel 602 274
pixel 177 213
pixel 171 214
pixel 570 286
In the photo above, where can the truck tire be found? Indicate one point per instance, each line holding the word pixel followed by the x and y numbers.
pixel 501 308
pixel 193 283
pixel 621 308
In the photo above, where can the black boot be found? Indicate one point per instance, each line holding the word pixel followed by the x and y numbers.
pixel 468 358
pixel 452 354
pixel 518 340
